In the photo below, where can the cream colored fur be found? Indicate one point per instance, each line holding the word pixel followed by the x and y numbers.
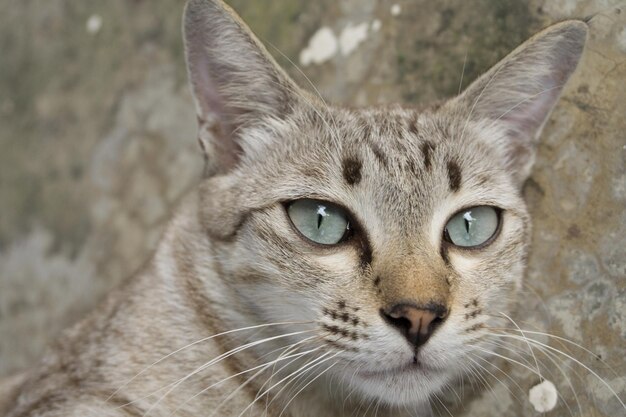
pixel 231 259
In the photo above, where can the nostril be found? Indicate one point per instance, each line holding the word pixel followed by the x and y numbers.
pixel 414 323
pixel 437 321
pixel 401 323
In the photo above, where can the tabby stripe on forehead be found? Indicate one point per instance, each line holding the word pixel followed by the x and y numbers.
pixel 379 154
pixel 352 170
pixel 413 126
pixel 454 176
pixel 427 149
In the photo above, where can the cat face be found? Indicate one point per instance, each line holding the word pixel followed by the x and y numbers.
pixel 397 235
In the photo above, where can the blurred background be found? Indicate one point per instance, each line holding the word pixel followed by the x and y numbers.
pixel 98 143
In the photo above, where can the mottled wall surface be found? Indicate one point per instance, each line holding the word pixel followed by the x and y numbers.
pixel 97 144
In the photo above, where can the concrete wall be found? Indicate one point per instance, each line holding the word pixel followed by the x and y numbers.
pixel 97 144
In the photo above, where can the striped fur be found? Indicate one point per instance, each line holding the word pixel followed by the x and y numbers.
pixel 231 259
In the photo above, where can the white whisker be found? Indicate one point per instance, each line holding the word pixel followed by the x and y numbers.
pixel 495 377
pixel 606 384
pixel 197 342
pixel 462 73
pixel 268 390
pixel 219 359
pixel 263 367
pixel 309 383
pixel 525 338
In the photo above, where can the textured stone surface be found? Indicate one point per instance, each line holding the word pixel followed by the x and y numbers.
pixel 97 144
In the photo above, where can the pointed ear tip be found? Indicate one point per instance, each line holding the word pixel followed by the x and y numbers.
pixel 192 6
pixel 196 9
pixel 191 12
pixel 575 31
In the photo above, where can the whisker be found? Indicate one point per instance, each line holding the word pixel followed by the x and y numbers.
pixel 269 381
pixel 511 347
pixel 313 380
pixel 367 410
pixel 462 73
pixel 287 351
pixel 480 378
pixel 263 366
pixel 495 377
pixel 549 355
pixel 606 384
pixel 510 360
pixel 197 342
pixel 282 380
pixel 219 359
pixel 296 376
pixel 346 398
pixel 471 112
pixel 552 358
pixel 308 80
pixel 299 93
pixel 527 99
pixel 568 341
pixel 442 404
pixel 376 404
pixel 525 338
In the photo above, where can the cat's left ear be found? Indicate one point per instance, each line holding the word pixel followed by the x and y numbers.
pixel 517 95
pixel 235 81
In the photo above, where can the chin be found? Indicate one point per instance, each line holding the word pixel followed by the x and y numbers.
pixel 407 385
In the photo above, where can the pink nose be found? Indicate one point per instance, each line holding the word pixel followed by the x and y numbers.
pixel 415 323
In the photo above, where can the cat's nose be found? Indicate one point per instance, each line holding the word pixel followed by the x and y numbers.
pixel 417 324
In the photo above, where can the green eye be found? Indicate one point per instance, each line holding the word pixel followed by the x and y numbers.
pixel 472 227
pixel 319 221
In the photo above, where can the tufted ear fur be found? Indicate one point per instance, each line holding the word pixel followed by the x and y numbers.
pixel 234 80
pixel 517 95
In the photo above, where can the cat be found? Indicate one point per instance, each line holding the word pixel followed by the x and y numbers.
pixel 333 259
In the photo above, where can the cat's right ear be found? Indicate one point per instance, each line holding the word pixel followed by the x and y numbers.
pixel 234 80
pixel 517 95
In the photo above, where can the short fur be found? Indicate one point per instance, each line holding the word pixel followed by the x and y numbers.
pixel 231 258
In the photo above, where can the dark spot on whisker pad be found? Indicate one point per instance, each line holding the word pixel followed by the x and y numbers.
pixel 352 170
pixel 454 176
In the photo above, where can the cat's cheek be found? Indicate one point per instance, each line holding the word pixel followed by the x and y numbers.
pixel 262 298
pixel 341 262
pixel 464 265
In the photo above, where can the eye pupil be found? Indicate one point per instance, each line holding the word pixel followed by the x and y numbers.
pixel 472 227
pixel 319 221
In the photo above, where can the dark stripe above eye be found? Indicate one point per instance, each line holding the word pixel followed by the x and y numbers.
pixel 454 176
pixel 427 149
pixel 413 126
pixel 352 170
pixel 379 154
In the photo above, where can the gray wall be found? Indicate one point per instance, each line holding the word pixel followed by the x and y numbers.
pixel 97 144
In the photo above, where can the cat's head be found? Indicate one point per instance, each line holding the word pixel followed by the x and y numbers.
pixel 401 234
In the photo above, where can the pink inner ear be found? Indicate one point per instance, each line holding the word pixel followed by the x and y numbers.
pixel 234 81
pixel 519 93
pixel 526 117
pixel 208 100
